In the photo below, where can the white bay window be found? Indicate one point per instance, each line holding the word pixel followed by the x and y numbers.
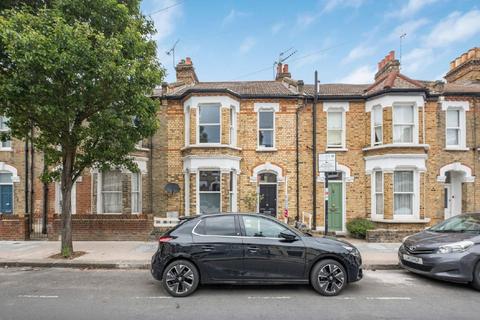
pixel 377 125
pixel 378 193
pixel 136 197
pixel 404 123
pixel 111 191
pixel 403 193
pixel 209 128
pixel 209 191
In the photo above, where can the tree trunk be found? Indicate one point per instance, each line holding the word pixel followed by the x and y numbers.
pixel 66 187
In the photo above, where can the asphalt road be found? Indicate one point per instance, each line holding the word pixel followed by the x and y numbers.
pixel 69 294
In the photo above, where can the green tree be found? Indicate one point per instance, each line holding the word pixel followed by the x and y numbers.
pixel 79 74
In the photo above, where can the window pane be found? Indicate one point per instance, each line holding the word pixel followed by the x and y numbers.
pixel 334 138
pixel 266 138
pixel 265 119
pixel 334 120
pixel 112 202
pixel 258 227
pixel 377 116
pixel 452 137
pixel 135 202
pixel 378 134
pixel 112 181
pixel 220 226
pixel 403 204
pixel 5 177
pixel 209 181
pixel 210 134
pixel 267 177
pixel 209 202
pixel 379 203
pixel 209 114
pixel 403 134
pixel 453 118
pixel 135 181
pixel 3 123
pixel 403 114
pixel 403 181
pixel 378 181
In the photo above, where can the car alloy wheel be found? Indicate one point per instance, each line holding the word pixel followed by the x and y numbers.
pixel 328 277
pixel 180 278
pixel 476 276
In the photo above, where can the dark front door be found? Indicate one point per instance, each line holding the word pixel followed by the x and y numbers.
pixel 267 256
pixel 268 199
pixel 218 248
pixel 6 198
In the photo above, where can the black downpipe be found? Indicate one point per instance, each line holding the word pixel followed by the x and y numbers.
pixel 32 177
pixel 297 218
pixel 45 200
pixel 314 153
pixel 150 174
pixel 27 209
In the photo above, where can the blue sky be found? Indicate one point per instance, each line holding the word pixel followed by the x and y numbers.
pixel 342 39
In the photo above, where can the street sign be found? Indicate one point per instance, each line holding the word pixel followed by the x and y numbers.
pixel 327 162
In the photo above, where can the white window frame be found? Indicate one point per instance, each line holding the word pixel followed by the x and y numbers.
pixel 219 106
pixel 100 194
pixel 462 107
pixel 200 192
pixel 5 128
pixel 233 126
pixel 139 192
pixel 376 108
pixel 415 196
pixel 337 106
pixel 375 193
pixel 58 196
pixel 414 124
pixel 342 144
pixel 266 107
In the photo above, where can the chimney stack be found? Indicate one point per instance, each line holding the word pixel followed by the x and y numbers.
pixel 466 67
pixel 282 72
pixel 186 72
pixel 388 65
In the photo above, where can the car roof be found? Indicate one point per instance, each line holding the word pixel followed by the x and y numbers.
pixel 202 216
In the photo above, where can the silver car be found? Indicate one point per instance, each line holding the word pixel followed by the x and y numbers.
pixel 448 251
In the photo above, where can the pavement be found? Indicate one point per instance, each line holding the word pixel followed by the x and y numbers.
pixel 137 254
pixel 60 293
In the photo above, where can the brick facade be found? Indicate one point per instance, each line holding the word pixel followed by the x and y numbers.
pixel 175 154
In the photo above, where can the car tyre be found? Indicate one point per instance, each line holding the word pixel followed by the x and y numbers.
pixel 476 276
pixel 328 277
pixel 180 278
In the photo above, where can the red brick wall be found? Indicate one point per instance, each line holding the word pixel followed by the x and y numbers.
pixel 13 227
pixel 106 227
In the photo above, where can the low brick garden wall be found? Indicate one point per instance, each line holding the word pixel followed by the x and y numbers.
pixel 96 227
pixel 13 227
pixel 388 235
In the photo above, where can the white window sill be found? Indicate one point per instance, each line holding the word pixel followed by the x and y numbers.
pixel 397 145
pixel 456 149
pixel 336 149
pixel 141 148
pixel 6 149
pixel 110 213
pixel 210 145
pixel 266 149
pixel 400 220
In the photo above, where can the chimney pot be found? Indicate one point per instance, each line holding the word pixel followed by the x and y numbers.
pixel 188 60
pixel 285 68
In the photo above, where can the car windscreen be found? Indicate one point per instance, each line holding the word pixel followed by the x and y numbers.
pixel 462 223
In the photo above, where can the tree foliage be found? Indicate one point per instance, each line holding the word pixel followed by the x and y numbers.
pixel 79 72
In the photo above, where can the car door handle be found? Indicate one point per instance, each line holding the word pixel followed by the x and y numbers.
pixel 253 249
pixel 207 248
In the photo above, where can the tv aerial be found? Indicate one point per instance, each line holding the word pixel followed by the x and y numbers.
pixel 171 52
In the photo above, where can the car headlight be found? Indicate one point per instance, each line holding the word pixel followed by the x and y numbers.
pixel 353 251
pixel 455 247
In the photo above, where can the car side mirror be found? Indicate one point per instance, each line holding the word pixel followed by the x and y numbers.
pixel 288 236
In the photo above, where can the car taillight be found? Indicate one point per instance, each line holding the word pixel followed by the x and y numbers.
pixel 164 239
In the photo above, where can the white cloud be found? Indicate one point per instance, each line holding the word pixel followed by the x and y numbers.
pixel 307 60
pixel 454 28
pixel 412 7
pixel 277 27
pixel 410 27
pixel 358 52
pixel 331 5
pixel 306 19
pixel 232 16
pixel 247 44
pixel 417 59
pixel 361 75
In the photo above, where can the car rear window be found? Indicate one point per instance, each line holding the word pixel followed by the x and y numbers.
pixel 217 226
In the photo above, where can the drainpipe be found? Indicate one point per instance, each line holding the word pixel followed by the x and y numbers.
pixel 314 153
pixel 27 209
pixel 150 172
pixel 297 164
pixel 45 200
pixel 32 176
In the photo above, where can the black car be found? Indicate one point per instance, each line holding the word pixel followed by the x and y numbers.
pixel 251 249
pixel 447 251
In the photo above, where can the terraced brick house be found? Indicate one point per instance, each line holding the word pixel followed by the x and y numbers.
pixel 407 152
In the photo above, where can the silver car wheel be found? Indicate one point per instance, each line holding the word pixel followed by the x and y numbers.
pixel 331 278
pixel 180 279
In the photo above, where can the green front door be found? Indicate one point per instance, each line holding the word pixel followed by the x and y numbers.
pixel 335 206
